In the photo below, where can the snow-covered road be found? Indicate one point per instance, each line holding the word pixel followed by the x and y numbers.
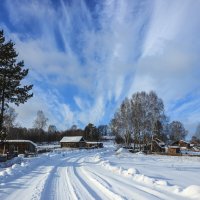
pixel 85 175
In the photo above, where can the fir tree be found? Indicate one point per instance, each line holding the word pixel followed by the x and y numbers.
pixel 12 73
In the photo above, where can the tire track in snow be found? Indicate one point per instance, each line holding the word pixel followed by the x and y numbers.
pixel 69 185
pixel 77 173
pixel 85 186
pixel 118 186
pixel 28 186
pixel 52 187
pixel 82 186
pixel 100 188
pixel 75 177
pixel 65 183
pixel 59 186
pixel 106 190
pixel 132 185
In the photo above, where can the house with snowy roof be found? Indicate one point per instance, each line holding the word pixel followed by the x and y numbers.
pixel 78 142
pixel 156 146
pixel 19 146
pixel 72 142
pixel 182 144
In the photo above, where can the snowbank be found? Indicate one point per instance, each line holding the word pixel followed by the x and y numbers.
pixel 8 163
pixel 122 150
pixel 11 172
pixel 19 165
pixel 133 169
pixel 192 191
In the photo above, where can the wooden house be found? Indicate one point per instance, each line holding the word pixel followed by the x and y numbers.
pixel 174 150
pixel 73 142
pixel 156 146
pixel 78 142
pixel 182 144
pixel 19 146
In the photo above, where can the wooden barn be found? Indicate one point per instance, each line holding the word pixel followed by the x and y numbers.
pixel 174 150
pixel 73 142
pixel 78 142
pixel 19 146
pixel 182 143
pixel 157 146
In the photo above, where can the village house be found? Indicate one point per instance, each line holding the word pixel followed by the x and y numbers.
pixel 156 146
pixel 72 142
pixel 182 144
pixel 173 150
pixel 78 142
pixel 18 146
pixel 195 147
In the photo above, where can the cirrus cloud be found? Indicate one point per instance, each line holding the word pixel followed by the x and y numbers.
pixel 85 57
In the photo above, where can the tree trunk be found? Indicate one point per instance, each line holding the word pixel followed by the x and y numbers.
pixel 2 104
pixel 4 149
pixel 152 143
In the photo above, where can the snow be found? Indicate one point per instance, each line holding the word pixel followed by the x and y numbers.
pixel 9 163
pixel 101 174
pixel 187 152
pixel 71 139
pixel 21 141
pixel 48 147
pixel 93 142
pixel 122 150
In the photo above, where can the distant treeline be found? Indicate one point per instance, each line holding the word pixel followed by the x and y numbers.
pixel 90 133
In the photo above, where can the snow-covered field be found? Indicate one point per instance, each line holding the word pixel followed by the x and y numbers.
pixel 101 174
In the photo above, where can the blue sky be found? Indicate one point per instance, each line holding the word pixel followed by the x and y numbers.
pixel 86 56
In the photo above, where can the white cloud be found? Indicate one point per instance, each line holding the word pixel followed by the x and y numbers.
pixel 130 46
pixel 68 115
pixel 50 102
pixel 166 23
pixel 92 113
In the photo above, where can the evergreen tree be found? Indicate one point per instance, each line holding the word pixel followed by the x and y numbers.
pixel 91 132
pixel 11 75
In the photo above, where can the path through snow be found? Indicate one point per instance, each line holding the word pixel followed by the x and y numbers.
pixel 85 175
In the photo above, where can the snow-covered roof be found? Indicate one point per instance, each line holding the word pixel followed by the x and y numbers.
pixel 108 137
pixel 184 141
pixel 183 148
pixel 173 147
pixel 22 141
pixel 93 142
pixel 159 143
pixel 72 139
